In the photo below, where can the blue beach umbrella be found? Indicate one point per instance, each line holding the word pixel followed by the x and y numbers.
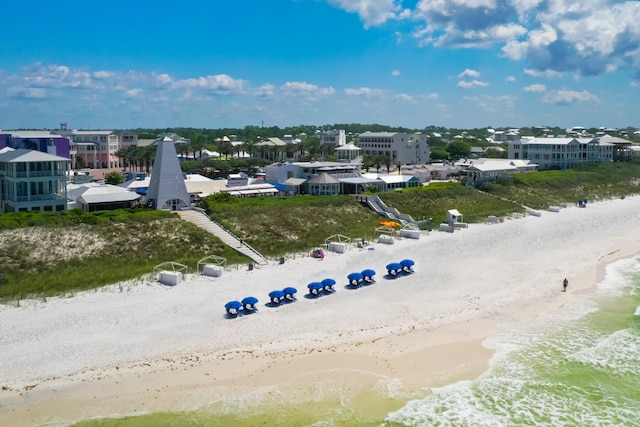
pixel 233 307
pixel 315 288
pixel 407 265
pixel 394 268
pixel 289 293
pixel 328 284
pixel 367 275
pixel 355 279
pixel 249 303
pixel 276 296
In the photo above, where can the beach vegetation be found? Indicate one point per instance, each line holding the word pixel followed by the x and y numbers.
pixel 46 254
pixel 53 253
pixel 592 182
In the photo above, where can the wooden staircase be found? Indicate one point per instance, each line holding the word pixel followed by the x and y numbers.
pixel 201 219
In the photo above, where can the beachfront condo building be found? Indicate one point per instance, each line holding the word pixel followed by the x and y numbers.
pixel 561 153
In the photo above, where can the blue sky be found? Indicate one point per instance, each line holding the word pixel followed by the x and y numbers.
pixel 220 63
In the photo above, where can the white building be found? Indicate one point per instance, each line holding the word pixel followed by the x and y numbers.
pixel 334 137
pixel 561 153
pixel 401 148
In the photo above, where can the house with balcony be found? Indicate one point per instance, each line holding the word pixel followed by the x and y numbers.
pixel 96 149
pixel 561 153
pixel 31 180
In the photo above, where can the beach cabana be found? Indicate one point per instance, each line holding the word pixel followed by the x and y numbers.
pixel 249 304
pixel 337 243
pixel 170 273
pixel 328 284
pixel 367 275
pixel 276 297
pixel 233 308
pixel 289 293
pixel 407 266
pixel 394 269
pixel 315 288
pixel 355 279
pixel 212 266
pixel 385 234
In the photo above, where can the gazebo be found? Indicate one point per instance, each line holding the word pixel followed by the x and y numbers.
pixel 323 185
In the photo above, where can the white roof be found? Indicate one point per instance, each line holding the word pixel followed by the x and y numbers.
pixel 93 192
pixel 35 134
pixel 135 184
pixel 389 179
pixel 348 147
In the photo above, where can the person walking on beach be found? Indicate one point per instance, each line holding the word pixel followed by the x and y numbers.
pixel 565 283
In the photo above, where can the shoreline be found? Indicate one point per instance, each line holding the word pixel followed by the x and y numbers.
pixel 424 330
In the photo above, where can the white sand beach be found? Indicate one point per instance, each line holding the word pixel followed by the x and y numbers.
pixel 141 347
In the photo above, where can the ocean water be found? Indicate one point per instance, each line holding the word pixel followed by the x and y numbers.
pixel 577 366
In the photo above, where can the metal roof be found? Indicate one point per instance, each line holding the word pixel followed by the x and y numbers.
pixel 23 155
pixel 99 193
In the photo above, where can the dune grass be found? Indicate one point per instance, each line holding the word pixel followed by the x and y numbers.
pixel 51 253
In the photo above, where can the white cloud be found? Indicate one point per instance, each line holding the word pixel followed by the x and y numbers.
pixel 590 36
pixel 510 79
pixel 395 73
pixel 535 88
pixel 133 93
pixel 469 73
pixel 373 12
pixel 472 84
pixel 218 83
pixel 404 98
pixel 27 92
pixel 565 96
pixel 299 88
pixel 364 91
pixel 548 74
pixel 266 90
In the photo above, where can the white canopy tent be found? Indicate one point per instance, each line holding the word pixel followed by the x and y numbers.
pixel 211 265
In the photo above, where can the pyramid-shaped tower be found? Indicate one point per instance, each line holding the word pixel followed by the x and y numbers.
pixel 167 190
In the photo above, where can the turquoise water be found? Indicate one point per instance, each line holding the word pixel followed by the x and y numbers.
pixel 578 366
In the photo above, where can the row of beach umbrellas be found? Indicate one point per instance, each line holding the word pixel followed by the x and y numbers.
pixel 397 269
pixel 325 287
pixel 248 304
pixel 363 278
pixel 317 289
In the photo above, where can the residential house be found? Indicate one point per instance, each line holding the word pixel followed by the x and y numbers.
pixel 44 141
pixel 488 169
pixel 93 196
pixel 333 137
pixel 31 180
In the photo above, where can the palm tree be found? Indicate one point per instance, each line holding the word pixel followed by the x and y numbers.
pixel 148 155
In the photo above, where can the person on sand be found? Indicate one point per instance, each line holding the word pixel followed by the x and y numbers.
pixel 565 283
